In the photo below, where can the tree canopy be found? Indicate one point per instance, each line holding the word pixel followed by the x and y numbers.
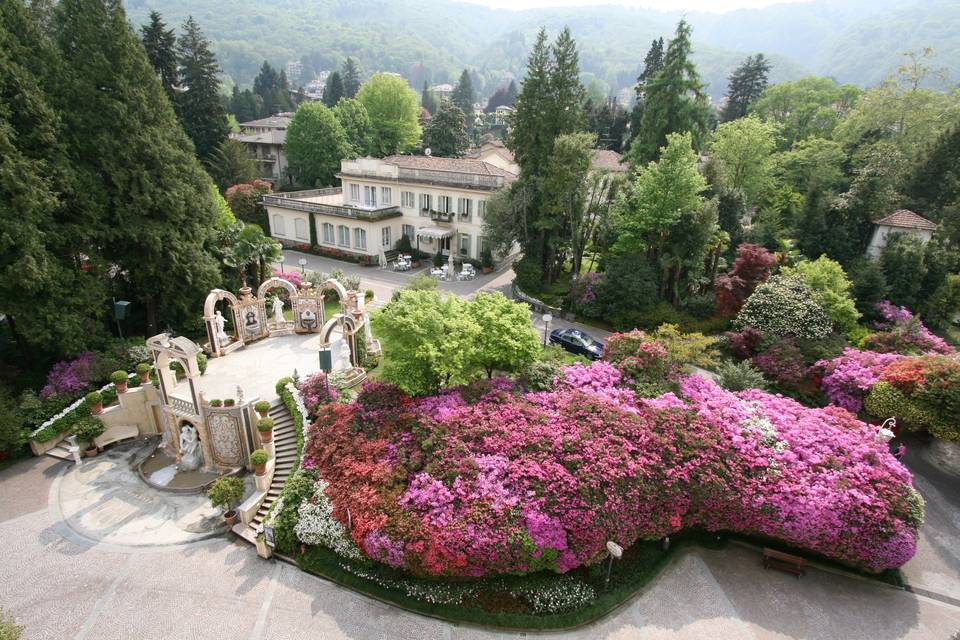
pixel 394 113
pixel 315 144
pixel 445 134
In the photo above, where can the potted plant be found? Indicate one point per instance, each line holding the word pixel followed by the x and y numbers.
pixel 86 430
pixel 486 260
pixel 119 380
pixel 143 370
pixel 265 427
pixel 216 402
pixel 263 408
pixel 438 259
pixel 258 460
pixel 229 402
pixel 94 401
pixel 369 295
pixel 224 494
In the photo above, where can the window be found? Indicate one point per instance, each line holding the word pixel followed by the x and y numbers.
pixel 409 231
pixel 443 204
pixel 406 199
pixel 482 244
pixel 385 236
pixel 343 233
pixel 360 238
pixel 481 208
pixel 465 244
pixel 464 208
pixel 303 229
pixel 355 193
pixel 328 233
pixel 279 228
pixel 424 203
pixel 386 196
pixel 370 197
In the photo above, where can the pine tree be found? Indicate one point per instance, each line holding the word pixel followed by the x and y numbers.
pixel 463 95
pixel 141 195
pixel 747 83
pixel 568 94
pixel 244 105
pixel 198 101
pixel 333 89
pixel 651 67
pixel 351 78
pixel 675 102
pixel 49 303
pixel 428 99
pixel 445 134
pixel 532 135
pixel 161 46
pixel 273 90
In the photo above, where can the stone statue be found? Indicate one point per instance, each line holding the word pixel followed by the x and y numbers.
pixel 278 310
pixel 189 458
pixel 221 323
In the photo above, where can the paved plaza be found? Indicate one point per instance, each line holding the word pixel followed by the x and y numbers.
pixel 121 576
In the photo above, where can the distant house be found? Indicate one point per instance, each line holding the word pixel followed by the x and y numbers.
pixel 901 221
pixel 438 203
pixel 442 90
pixel 264 139
pixel 501 115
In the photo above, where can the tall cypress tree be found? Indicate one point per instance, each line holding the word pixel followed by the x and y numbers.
pixel 333 89
pixel 651 67
pixel 198 101
pixel 351 78
pixel 746 85
pixel 48 301
pixel 568 94
pixel 675 102
pixel 161 46
pixel 140 191
pixel 428 99
pixel 463 96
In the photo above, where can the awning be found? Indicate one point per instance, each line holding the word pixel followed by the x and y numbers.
pixel 435 232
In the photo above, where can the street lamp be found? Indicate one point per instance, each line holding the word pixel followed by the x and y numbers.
pixel 280 261
pixel 547 319
pixel 616 551
pixel 303 265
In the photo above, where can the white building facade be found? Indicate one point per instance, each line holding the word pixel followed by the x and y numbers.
pixel 438 203
pixel 901 221
pixel 264 139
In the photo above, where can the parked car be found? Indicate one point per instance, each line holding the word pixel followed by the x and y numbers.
pixel 577 342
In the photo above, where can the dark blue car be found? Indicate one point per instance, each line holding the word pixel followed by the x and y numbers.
pixel 577 342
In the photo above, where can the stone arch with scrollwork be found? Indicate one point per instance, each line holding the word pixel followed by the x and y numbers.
pixel 283 326
pixel 349 328
pixel 217 346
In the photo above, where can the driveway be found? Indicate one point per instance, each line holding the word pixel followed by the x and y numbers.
pixel 97 586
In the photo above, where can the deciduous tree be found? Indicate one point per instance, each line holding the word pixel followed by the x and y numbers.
pixel 315 144
pixel 506 340
pixel 445 134
pixel 744 152
pixel 353 117
pixel 394 114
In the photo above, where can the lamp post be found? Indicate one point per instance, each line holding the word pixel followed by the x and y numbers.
pixel 616 551
pixel 280 261
pixel 547 319
pixel 303 265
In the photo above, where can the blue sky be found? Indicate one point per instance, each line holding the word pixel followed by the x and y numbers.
pixel 719 6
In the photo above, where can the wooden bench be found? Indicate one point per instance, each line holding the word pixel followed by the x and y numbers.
pixel 773 559
pixel 116 433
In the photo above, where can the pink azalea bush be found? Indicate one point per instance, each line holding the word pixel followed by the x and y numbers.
pixel 846 380
pixel 316 391
pixel 70 377
pixel 902 332
pixel 499 481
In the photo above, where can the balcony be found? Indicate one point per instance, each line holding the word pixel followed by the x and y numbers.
pixel 328 202
pixel 441 216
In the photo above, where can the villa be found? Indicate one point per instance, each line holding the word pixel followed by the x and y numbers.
pixel 438 203
pixel 264 139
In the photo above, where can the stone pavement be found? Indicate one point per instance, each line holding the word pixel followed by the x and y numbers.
pixel 62 585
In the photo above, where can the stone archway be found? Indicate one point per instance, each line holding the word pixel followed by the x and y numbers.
pixel 348 329
pixel 217 346
pixel 273 326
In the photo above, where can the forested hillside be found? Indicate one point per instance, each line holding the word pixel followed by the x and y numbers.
pixel 432 40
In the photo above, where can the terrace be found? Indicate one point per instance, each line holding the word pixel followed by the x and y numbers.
pixel 328 202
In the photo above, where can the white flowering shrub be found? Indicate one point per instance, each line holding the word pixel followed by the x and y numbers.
pixel 784 306
pixel 317 526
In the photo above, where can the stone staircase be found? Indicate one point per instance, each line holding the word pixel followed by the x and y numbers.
pixel 285 443
pixel 60 452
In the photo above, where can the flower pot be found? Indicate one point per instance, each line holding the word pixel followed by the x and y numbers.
pixel 230 517
pixel 96 409
pixel 264 414
pixel 91 451
pixel 266 436
pixel 144 377
pixel 487 269
pixel 228 403
pixel 121 386
pixel 260 469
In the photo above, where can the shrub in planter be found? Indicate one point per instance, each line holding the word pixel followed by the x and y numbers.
pixel 94 401
pixel 486 260
pixel 262 407
pixel 143 370
pixel 86 429
pixel 369 295
pixel 229 402
pixel 225 493
pixel 784 306
pixel 265 428
pixel 119 380
pixel 216 402
pixel 258 460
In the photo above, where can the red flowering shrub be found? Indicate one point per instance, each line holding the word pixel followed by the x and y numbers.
pixel 751 268
pixel 519 483
pixel 745 343
pixel 643 361
pixel 930 385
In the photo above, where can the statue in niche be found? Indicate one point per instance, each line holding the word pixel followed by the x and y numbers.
pixel 308 319
pixel 189 457
pixel 278 310
pixel 221 323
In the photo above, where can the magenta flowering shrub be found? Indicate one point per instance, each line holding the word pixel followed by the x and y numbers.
pixel 846 380
pixel 316 391
pixel 902 332
pixel 520 482
pixel 70 377
pixel 292 277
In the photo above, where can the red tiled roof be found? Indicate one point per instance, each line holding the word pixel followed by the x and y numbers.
pixel 460 165
pixel 906 219
pixel 608 160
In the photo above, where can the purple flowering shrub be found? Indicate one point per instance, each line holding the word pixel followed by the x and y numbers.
pixel 847 379
pixel 521 482
pixel 316 392
pixel 70 377
pixel 902 332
